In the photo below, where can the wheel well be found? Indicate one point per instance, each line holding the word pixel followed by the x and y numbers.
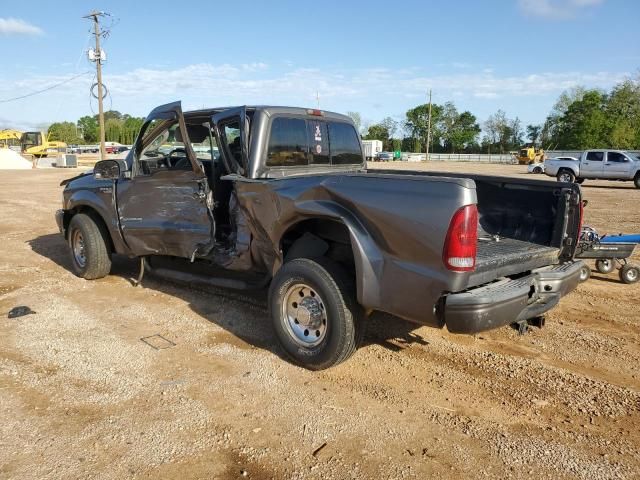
pixel 95 216
pixel 319 237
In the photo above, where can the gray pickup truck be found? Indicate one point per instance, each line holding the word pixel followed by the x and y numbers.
pixel 596 164
pixel 250 197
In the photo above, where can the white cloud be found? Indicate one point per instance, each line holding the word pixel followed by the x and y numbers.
pixel 15 26
pixel 201 85
pixel 555 9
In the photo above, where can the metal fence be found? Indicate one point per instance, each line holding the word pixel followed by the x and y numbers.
pixel 472 157
pixel 577 153
pixel 486 158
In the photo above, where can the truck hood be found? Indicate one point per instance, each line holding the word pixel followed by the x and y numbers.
pixel 69 180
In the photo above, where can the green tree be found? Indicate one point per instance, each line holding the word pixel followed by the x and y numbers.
pixel 378 132
pixel 533 133
pixel 623 115
pixel 417 120
pixel 63 132
pixel 584 125
pixel 130 129
pixel 113 129
pixel 457 129
pixel 88 129
pixel 109 114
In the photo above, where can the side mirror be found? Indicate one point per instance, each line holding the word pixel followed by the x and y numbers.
pixel 106 170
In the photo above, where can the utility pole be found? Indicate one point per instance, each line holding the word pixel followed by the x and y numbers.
pixel 429 127
pixel 98 59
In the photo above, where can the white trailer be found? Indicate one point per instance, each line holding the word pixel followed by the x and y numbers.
pixel 371 148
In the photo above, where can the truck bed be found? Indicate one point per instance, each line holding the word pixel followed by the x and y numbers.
pixel 500 256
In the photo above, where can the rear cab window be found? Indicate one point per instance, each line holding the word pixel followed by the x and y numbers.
pixel 297 141
pixel 595 156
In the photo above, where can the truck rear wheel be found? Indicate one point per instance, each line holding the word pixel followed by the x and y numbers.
pixel 90 256
pixel 314 312
pixel 565 175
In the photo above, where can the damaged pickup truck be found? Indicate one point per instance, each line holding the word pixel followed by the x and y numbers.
pixel 250 197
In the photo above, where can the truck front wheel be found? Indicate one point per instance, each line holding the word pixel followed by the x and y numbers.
pixel 636 180
pixel 90 256
pixel 314 312
pixel 565 175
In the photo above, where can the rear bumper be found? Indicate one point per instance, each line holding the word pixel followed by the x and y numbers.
pixel 508 301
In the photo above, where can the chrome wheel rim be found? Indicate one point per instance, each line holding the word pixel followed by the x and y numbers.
pixel 565 177
pixel 632 275
pixel 606 266
pixel 583 274
pixel 304 315
pixel 77 245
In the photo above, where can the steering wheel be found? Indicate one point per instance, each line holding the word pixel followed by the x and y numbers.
pixel 175 150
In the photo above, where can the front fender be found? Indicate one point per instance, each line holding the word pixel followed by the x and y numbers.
pixel 103 204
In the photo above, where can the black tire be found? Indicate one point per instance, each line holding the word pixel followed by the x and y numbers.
pixel 342 317
pixel 580 181
pixel 630 273
pixel 94 250
pixel 565 175
pixel 605 265
pixel 537 170
pixel 636 180
pixel 585 273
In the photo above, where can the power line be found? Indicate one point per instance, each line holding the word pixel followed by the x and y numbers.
pixel 51 87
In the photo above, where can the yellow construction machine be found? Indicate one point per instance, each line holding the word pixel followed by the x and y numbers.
pixel 528 155
pixel 38 145
pixel 31 143
pixel 10 138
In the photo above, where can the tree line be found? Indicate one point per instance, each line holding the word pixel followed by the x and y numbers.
pixel 118 127
pixel 580 119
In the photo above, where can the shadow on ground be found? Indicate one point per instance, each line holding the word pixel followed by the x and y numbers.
pixel 243 314
pixel 627 186
pixel 54 247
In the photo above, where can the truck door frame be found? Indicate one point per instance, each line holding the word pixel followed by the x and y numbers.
pixel 167 212
pixel 219 120
pixel 592 172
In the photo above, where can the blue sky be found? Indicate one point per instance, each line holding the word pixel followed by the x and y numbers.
pixel 377 58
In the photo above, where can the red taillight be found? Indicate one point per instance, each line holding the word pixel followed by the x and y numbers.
pixel 461 244
pixel 315 112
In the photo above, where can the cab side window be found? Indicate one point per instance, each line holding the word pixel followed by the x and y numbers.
pixel 595 156
pixel 616 157
pixel 155 156
pixel 345 146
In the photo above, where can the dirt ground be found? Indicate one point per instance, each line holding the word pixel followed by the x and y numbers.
pixel 82 396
